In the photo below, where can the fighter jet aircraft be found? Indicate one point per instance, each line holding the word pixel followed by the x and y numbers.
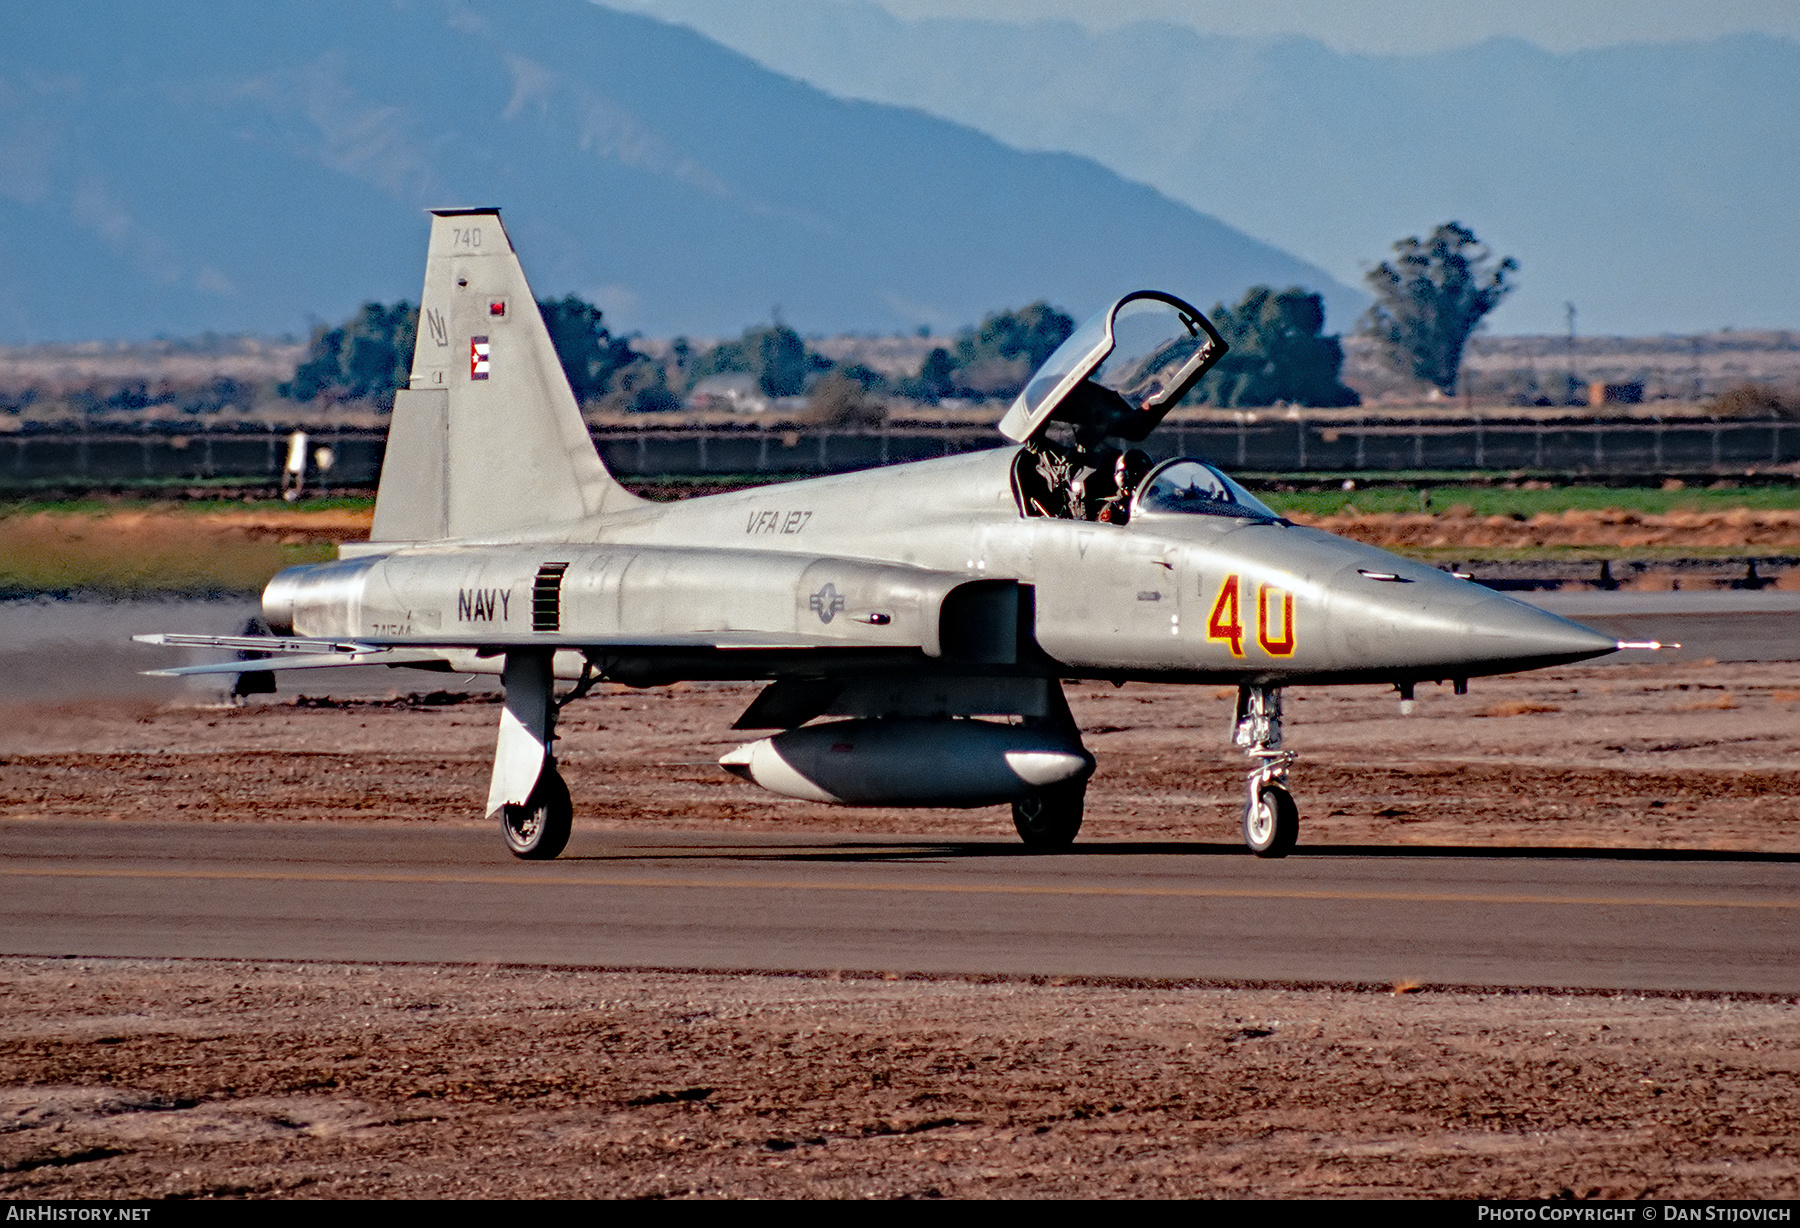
pixel 914 623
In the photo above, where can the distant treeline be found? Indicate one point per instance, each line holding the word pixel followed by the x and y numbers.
pixel 1430 298
pixel 1278 353
pixel 349 372
pixel 133 398
pixel 370 355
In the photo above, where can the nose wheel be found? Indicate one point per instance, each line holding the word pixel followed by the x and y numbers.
pixel 1271 819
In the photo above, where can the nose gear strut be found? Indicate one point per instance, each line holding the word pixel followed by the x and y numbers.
pixel 1271 820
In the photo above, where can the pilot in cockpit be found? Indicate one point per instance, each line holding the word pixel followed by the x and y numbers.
pixel 1115 377
pixel 1128 472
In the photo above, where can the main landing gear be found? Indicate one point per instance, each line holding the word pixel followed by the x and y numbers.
pixel 1048 819
pixel 526 791
pixel 1271 820
pixel 539 829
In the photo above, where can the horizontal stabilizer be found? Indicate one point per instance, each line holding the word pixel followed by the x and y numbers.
pixel 253 643
pixel 283 653
pixel 318 660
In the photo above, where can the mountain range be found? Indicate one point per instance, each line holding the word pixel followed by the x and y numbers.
pixel 1654 185
pixel 203 165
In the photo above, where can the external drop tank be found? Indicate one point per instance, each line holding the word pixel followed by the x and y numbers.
pixel 900 761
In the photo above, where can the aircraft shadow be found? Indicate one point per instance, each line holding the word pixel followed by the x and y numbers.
pixel 873 852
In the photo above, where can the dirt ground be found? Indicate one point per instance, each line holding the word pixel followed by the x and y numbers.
pixel 1747 530
pixel 1683 755
pixel 143 1079
pixel 179 1078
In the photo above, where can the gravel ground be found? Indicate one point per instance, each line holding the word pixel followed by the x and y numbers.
pixel 1682 755
pixel 141 1078
pixel 144 1079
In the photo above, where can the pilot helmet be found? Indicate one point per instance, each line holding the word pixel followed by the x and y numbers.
pixel 1131 467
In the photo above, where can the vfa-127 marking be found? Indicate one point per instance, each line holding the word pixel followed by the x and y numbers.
pixel 914 637
pixel 770 520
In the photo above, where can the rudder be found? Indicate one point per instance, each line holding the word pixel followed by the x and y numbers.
pixel 486 440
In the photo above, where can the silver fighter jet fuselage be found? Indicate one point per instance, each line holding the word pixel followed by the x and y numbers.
pixel 931 608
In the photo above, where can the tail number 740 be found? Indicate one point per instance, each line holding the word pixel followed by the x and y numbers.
pixel 1274 618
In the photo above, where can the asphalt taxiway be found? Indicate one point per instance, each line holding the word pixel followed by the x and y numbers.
pixel 1600 919
pixel 1723 625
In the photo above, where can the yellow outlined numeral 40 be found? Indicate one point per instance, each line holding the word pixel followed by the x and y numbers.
pixel 1226 622
pixel 1268 598
pixel 1275 633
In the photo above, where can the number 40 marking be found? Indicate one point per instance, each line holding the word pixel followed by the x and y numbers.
pixel 1274 618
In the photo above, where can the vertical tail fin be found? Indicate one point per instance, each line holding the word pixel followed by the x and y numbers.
pixel 487 438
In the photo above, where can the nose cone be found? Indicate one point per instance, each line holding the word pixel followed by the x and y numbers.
pixel 1399 616
pixel 1509 634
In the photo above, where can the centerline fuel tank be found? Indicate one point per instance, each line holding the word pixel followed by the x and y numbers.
pixel 897 761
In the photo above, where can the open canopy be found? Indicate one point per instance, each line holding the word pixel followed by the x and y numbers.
pixel 1121 372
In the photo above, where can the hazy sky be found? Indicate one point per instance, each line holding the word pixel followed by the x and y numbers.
pixel 1401 26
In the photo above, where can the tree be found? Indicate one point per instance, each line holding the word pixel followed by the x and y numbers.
pixel 936 378
pixel 995 358
pixel 641 386
pixel 841 399
pixel 370 355
pixel 937 373
pixel 590 355
pixel 774 353
pixel 1277 353
pixel 1431 297
pixel 1031 333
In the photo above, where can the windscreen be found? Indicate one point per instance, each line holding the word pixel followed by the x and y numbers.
pixel 1195 488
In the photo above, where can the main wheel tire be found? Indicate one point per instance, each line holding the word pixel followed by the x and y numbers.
pixel 538 830
pixel 1048 819
pixel 1272 824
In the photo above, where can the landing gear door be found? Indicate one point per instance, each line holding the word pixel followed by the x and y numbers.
pixel 1121 372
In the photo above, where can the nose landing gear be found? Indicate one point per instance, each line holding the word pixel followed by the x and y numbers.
pixel 1271 820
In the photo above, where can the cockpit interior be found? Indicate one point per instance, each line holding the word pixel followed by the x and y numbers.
pixel 1071 484
pixel 1116 377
